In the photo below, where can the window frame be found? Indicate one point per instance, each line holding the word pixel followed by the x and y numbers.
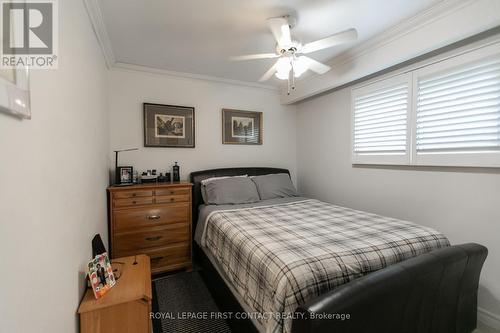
pixel 411 158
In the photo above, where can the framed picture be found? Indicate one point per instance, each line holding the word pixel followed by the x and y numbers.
pixel 168 126
pixel 124 174
pixel 14 92
pixel 241 127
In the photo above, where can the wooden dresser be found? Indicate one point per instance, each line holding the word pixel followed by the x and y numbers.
pixel 152 219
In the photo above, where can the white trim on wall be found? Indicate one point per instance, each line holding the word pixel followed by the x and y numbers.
pixel 95 15
pixel 488 318
pixel 145 69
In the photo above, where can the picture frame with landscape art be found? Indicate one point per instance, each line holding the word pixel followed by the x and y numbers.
pixel 241 127
pixel 168 126
pixel 15 92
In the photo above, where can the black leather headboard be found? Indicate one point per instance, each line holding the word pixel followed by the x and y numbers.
pixel 198 176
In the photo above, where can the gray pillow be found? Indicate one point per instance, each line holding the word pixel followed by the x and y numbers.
pixel 234 190
pixel 272 186
pixel 204 182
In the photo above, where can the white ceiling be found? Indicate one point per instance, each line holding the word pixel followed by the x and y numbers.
pixel 198 36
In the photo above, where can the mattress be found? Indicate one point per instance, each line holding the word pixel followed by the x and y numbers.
pixel 278 254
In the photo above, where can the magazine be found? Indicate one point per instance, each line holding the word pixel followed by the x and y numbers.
pixel 101 275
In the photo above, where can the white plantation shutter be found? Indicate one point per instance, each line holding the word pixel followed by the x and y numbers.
pixel 444 113
pixel 459 111
pixel 380 121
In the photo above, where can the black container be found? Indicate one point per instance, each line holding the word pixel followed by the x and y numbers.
pixel 176 173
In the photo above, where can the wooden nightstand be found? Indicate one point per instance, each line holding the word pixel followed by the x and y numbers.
pixel 152 219
pixel 126 307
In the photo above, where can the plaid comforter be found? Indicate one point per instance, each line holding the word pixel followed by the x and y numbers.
pixel 280 256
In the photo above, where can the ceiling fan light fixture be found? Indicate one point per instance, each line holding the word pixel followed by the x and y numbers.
pixel 282 75
pixel 300 66
pixel 283 64
pixel 283 67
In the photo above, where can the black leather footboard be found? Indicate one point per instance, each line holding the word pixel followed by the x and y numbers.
pixel 434 292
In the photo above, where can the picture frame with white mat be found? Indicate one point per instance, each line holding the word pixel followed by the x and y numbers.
pixel 241 127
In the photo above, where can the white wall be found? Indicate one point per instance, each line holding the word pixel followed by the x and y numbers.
pixel 461 203
pixel 53 177
pixel 129 89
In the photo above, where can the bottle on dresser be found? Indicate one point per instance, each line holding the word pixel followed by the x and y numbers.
pixel 176 173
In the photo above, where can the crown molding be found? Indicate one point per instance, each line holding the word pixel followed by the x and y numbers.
pixel 95 15
pixel 403 28
pixel 96 19
pixel 439 10
pixel 400 30
pixel 151 70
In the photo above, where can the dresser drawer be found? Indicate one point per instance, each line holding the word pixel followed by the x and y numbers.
pixel 170 257
pixel 152 237
pixel 131 202
pixel 133 194
pixel 172 198
pixel 172 191
pixel 150 216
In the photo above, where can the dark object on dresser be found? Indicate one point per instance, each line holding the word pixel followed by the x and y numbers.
pixel 434 292
pixel 97 245
pixel 125 175
pixel 118 172
pixel 176 172
pixel 152 219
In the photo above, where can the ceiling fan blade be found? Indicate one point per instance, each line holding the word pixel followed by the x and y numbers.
pixel 281 30
pixel 337 39
pixel 254 56
pixel 316 66
pixel 267 75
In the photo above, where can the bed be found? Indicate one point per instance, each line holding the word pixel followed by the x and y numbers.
pixel 301 265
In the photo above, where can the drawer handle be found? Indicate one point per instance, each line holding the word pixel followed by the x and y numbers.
pixel 153 238
pixel 172 192
pixel 172 199
pixel 156 258
pixel 134 194
pixel 134 202
pixel 153 217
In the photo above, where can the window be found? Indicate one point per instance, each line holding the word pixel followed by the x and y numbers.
pixel 380 124
pixel 446 113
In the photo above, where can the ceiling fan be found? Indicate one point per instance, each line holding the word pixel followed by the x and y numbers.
pixel 292 62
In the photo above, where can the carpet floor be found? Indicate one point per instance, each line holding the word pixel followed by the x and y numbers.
pixel 179 297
